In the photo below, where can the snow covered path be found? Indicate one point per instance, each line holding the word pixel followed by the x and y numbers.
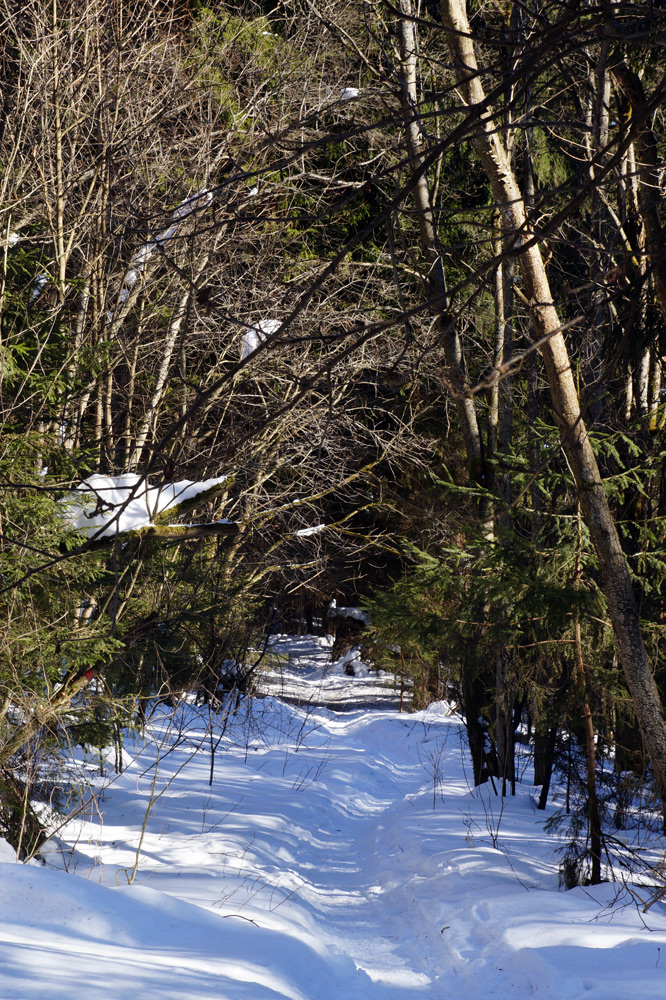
pixel 302 673
pixel 335 855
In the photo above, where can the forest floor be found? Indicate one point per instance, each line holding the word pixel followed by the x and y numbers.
pixel 339 852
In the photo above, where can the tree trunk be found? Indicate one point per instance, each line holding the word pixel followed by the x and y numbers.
pixel 594 816
pixel 616 581
pixel 649 187
pixel 544 758
pixel 436 282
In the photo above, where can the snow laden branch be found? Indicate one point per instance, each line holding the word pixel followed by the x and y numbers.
pixel 103 507
pixel 257 335
pixel 194 203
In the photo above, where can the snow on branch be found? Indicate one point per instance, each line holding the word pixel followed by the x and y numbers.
pixel 307 532
pixel 193 203
pixel 105 506
pixel 256 336
pixel 335 611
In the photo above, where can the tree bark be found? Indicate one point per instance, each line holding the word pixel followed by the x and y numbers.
pixel 594 816
pixel 616 581
pixel 649 188
pixel 436 282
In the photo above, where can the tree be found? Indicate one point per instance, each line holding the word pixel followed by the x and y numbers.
pixel 616 579
pixel 163 233
pixel 280 251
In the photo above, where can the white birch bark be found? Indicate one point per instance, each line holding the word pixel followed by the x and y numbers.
pixel 446 326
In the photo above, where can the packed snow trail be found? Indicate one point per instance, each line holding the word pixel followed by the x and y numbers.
pixel 336 854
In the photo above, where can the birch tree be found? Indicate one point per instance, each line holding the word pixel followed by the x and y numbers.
pixel 549 340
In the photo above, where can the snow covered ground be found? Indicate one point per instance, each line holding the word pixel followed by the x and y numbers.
pixel 300 670
pixel 335 855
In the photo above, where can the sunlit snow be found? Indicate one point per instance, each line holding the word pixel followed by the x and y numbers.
pixel 257 334
pixel 316 529
pixel 318 855
pixel 187 207
pixel 106 505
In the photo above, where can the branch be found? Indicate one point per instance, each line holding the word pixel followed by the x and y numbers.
pixel 169 533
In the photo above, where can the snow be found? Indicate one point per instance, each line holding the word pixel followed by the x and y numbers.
pixel 38 286
pixel 300 670
pixel 106 505
pixel 256 335
pixel 336 611
pixel 191 204
pixel 316 529
pixel 335 854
